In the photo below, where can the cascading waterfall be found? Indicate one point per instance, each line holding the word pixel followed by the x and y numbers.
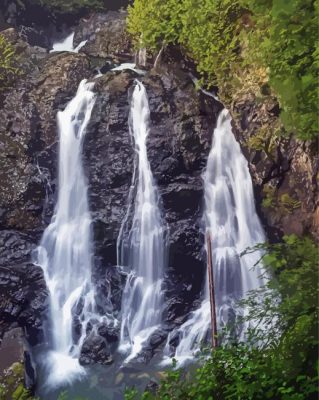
pixel 66 44
pixel 65 249
pixel 141 245
pixel 231 219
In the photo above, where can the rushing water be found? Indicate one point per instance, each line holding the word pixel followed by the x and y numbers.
pixel 65 249
pixel 231 219
pixel 66 44
pixel 141 243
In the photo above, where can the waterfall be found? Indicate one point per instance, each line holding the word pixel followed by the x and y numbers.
pixel 230 217
pixel 141 243
pixel 66 247
pixel 66 44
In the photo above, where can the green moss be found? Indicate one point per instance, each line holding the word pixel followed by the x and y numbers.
pixel 12 384
pixel 269 200
pixel 282 204
pixel 288 203
pixel 265 140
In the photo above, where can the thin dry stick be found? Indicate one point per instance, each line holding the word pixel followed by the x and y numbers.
pixel 211 291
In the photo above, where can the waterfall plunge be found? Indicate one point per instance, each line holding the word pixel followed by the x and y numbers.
pixel 230 217
pixel 142 245
pixel 65 249
pixel 66 44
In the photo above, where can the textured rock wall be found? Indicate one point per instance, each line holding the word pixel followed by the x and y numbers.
pixel 284 170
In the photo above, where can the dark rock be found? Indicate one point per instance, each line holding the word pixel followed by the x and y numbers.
pixel 109 283
pixel 153 345
pixel 28 137
pixel 29 56
pixel 151 387
pixel 288 168
pixel 16 247
pixel 110 333
pixel 23 300
pixel 30 375
pixel 106 36
pixel 95 350
pixel 11 348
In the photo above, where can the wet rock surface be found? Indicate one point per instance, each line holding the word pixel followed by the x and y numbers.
pixel 105 36
pixel 23 299
pixel 95 349
pixel 284 171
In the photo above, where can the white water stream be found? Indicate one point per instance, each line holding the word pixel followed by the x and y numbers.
pixel 66 44
pixel 141 245
pixel 230 217
pixel 65 249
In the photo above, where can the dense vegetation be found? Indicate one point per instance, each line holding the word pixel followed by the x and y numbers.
pixel 279 359
pixel 270 45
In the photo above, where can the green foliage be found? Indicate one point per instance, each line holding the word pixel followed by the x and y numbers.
pixel 12 384
pixel 207 30
pixel 240 43
pixel 146 14
pixel 283 204
pixel 265 141
pixel 289 48
pixel 278 360
pixel 8 63
pixel 288 203
pixel 65 396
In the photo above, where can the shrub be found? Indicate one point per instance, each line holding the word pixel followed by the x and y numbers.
pixel 284 37
pixel 230 40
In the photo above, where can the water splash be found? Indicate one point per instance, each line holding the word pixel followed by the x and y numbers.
pixel 141 245
pixel 230 217
pixel 65 249
pixel 66 44
pixel 129 66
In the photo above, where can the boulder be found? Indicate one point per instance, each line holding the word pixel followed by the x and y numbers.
pixel 95 350
pixel 106 36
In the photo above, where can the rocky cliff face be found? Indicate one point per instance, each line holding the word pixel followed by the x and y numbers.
pixel 284 170
pixel 182 123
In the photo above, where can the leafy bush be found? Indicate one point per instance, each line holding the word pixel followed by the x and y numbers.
pixel 207 30
pixel 278 361
pixel 240 42
pixel 12 384
pixel 285 38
